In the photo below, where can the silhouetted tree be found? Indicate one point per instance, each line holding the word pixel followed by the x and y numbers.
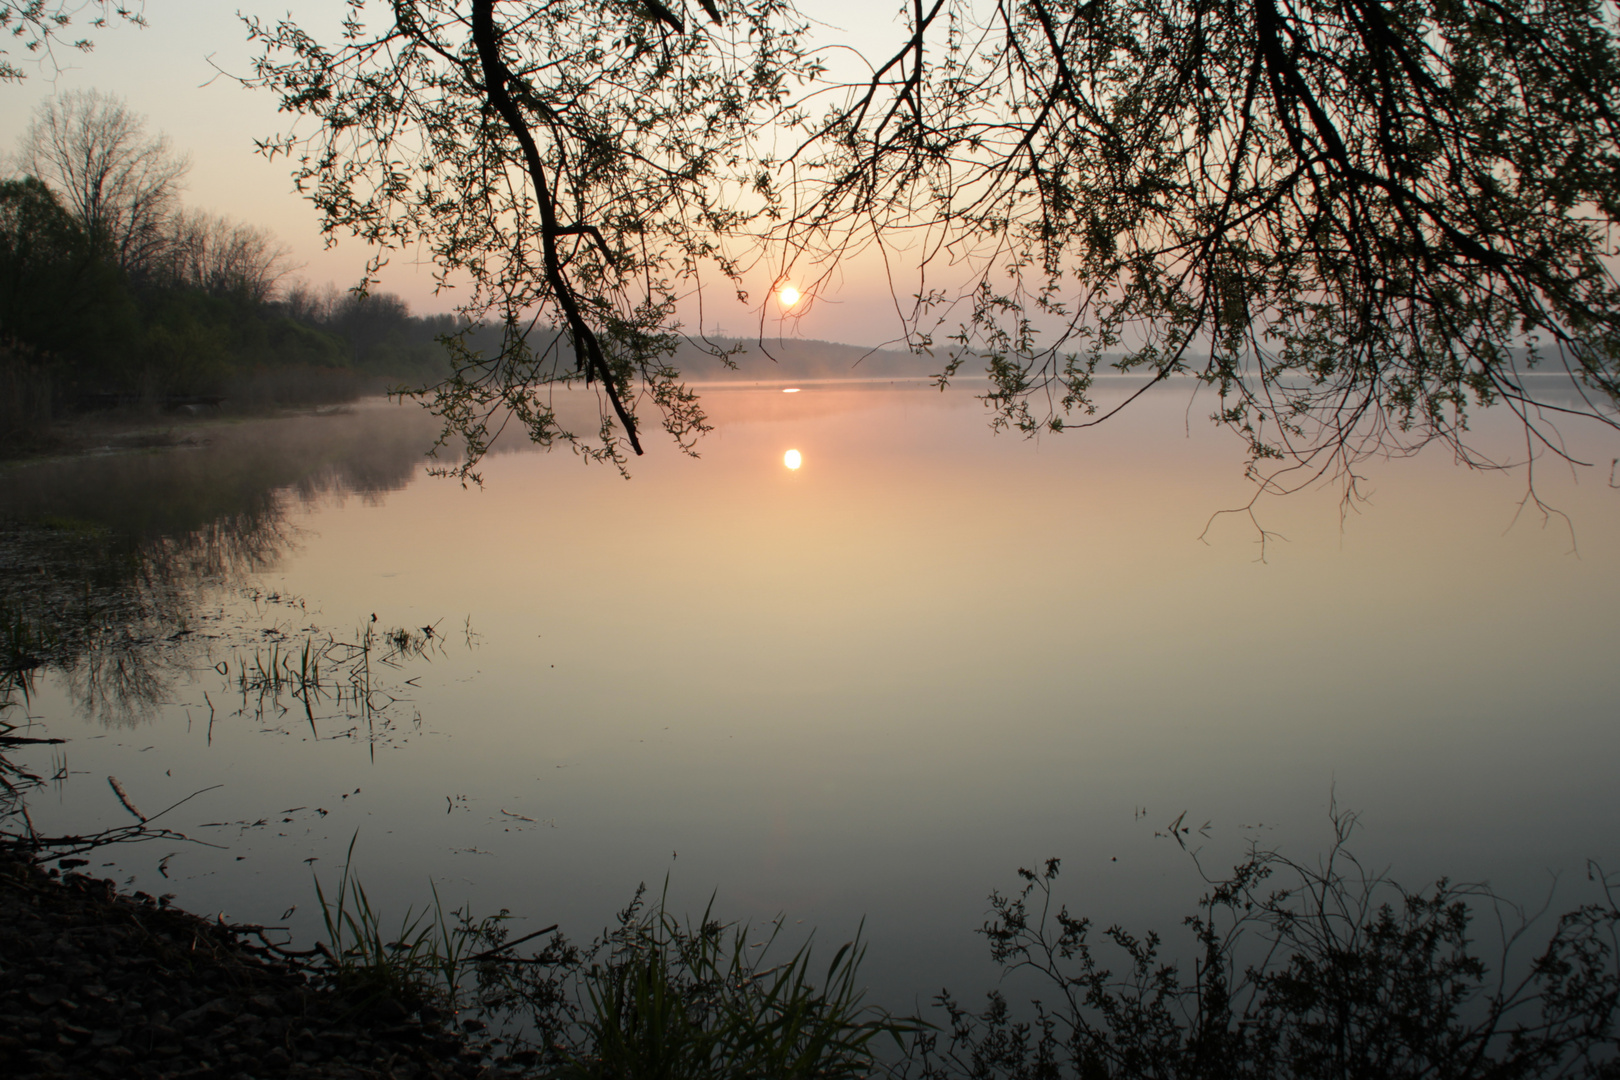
pixel 576 162
pixel 1353 219
pixel 122 183
pixel 59 300
pixel 222 257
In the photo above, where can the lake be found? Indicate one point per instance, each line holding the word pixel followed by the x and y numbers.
pixel 870 688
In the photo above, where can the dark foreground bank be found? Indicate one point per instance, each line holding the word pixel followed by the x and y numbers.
pixel 98 984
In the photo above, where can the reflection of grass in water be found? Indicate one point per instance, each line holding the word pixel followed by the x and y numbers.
pixel 321 673
pixel 122 619
pixel 121 624
pixel 24 645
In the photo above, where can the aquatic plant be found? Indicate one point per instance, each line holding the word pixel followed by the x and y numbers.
pixel 323 669
pixel 23 644
pixel 1328 970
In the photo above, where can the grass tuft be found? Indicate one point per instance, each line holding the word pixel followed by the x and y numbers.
pixel 675 1000
pixel 656 997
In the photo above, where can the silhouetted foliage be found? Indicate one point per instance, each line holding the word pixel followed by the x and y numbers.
pixel 113 294
pixel 221 257
pixel 576 163
pixel 1354 220
pixel 383 335
pixel 57 294
pixel 1299 971
pixel 43 26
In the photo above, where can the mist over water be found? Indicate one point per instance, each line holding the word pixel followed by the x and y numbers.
pixel 870 687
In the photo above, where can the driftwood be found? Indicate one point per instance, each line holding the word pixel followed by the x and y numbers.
pixel 77 844
pixel 17 781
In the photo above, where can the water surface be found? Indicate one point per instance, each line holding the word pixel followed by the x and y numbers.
pixel 870 688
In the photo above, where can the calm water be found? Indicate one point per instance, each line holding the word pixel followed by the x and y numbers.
pixel 873 687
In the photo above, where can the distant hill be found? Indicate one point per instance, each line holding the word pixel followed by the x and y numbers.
pixel 776 360
pixel 793 360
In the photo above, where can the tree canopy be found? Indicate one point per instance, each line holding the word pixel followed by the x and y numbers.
pixel 121 183
pixel 1354 220
pixel 43 26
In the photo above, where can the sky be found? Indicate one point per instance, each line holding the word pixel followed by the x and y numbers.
pixel 178 72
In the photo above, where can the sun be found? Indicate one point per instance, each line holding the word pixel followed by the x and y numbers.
pixel 792 459
pixel 788 295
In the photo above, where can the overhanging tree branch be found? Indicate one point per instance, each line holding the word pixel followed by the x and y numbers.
pixel 587 347
pixel 1348 217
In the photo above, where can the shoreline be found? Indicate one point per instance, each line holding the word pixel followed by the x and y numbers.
pixel 98 983
pixel 123 432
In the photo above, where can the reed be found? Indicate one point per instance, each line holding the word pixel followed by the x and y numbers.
pixel 656 997
pixel 24 641
pixel 677 999
pixel 418 966
pixel 327 671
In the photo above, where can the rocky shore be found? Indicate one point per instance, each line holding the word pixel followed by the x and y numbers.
pixel 94 983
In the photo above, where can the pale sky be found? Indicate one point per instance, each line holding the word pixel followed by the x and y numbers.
pixel 171 72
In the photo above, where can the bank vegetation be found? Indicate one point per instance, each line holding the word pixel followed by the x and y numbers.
pixel 117 298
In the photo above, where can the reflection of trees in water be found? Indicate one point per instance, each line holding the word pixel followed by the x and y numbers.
pixel 118 615
pixel 106 564
pixel 232 468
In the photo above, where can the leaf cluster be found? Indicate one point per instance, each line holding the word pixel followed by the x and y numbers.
pixel 43 25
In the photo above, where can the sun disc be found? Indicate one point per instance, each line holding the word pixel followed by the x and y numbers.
pixel 792 459
pixel 788 295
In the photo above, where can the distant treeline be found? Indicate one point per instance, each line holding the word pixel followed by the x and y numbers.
pixel 196 319
pixel 113 293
